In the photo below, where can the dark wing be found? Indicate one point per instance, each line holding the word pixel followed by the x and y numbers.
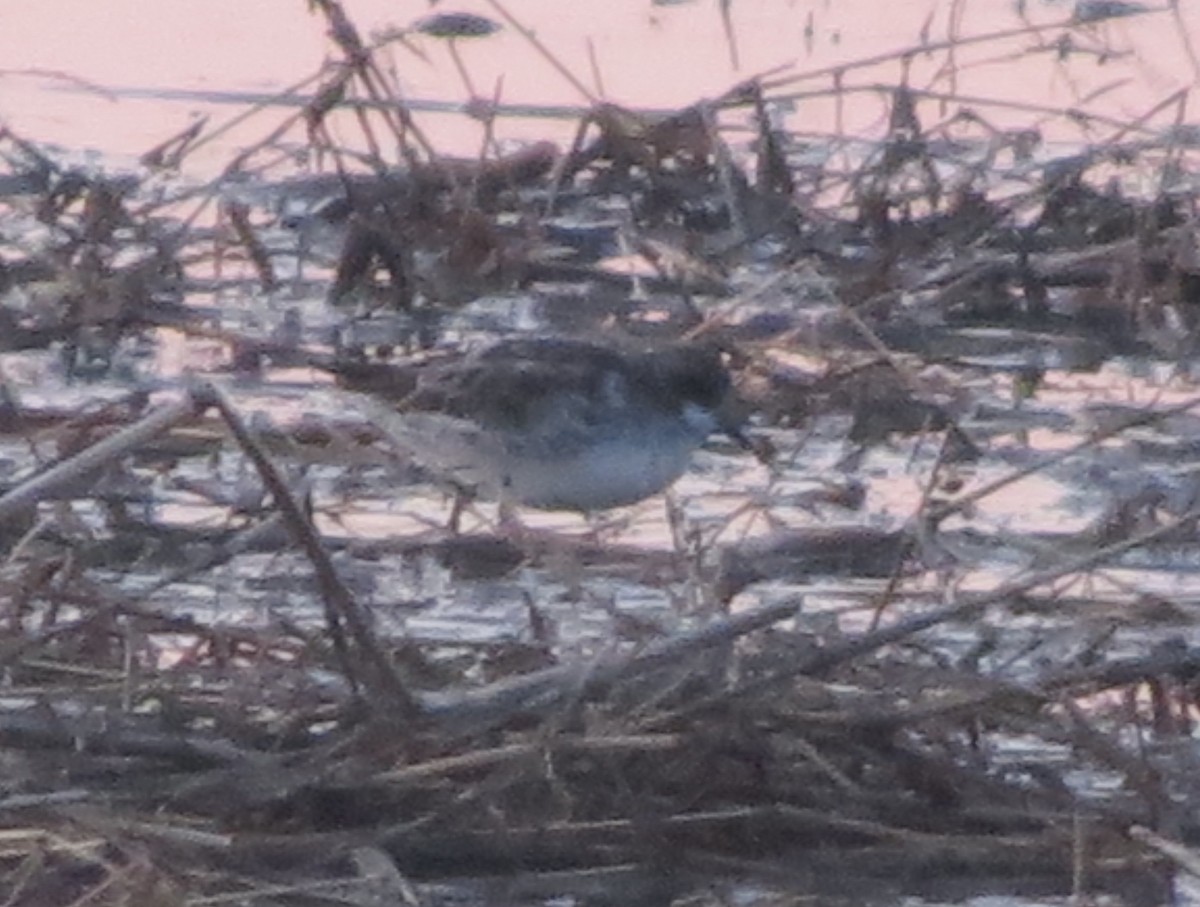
pixel 511 383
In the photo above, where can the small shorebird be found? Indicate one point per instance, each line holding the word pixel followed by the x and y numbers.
pixel 564 424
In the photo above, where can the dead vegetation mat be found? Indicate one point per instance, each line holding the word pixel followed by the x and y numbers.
pixel 740 750
pixel 158 757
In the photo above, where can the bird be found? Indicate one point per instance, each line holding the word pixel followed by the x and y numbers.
pixel 564 424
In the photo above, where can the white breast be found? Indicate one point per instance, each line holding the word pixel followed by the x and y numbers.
pixel 572 468
pixel 611 473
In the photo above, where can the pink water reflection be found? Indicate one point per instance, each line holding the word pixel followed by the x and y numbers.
pixel 644 55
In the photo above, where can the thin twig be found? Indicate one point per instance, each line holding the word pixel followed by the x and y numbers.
pixel 63 475
pixel 340 605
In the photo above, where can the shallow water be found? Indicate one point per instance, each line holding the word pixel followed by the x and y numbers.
pixel 121 76
pixel 115 78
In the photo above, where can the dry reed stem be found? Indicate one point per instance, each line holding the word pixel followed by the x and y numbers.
pixel 970 605
pixel 382 675
pixel 109 450
pixel 963 502
pixel 543 51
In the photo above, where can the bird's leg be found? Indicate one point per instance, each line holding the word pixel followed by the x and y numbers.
pixel 601 524
pixel 464 496
pixel 508 521
pixel 454 523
